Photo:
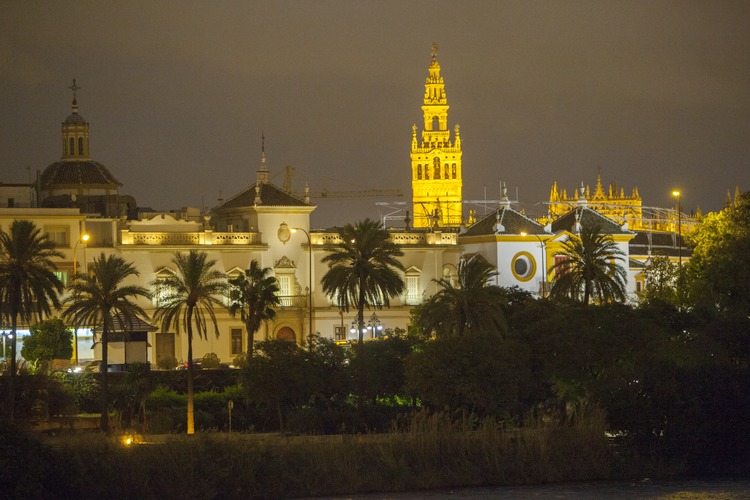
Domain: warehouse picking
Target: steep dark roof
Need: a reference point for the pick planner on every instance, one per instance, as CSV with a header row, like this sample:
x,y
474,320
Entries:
x,y
585,215
78,172
658,243
270,196
513,222
136,325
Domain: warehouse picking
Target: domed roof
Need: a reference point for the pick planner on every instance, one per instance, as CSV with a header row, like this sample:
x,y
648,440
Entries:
x,y
77,172
74,118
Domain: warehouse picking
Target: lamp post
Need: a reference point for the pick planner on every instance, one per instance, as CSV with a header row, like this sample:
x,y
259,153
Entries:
x,y
544,261
309,268
677,194
374,324
84,238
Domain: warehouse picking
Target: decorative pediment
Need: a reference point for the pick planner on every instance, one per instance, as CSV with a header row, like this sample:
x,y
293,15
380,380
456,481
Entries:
x,y
285,263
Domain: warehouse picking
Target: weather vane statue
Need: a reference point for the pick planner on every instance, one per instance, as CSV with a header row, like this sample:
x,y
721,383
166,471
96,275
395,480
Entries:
x,y
434,50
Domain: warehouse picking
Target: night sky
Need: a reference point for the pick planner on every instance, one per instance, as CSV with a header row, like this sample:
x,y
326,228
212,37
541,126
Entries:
x,y
652,94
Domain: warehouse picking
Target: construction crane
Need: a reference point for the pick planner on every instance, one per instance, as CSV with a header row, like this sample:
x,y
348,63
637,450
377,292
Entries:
x,y
362,193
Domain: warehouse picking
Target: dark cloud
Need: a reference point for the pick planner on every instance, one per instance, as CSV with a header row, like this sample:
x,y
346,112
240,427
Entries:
x,y
654,94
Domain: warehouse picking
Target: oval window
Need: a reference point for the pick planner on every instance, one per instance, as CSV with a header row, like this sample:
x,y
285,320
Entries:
x,y
523,266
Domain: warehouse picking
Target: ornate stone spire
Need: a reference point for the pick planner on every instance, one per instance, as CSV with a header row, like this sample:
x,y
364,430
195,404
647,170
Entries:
x,y
263,174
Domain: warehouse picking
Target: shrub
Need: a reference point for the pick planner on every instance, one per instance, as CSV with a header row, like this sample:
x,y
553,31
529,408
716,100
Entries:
x,y
167,363
211,361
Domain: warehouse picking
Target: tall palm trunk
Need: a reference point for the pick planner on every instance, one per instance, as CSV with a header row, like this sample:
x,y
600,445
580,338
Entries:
x,y
104,370
190,409
13,379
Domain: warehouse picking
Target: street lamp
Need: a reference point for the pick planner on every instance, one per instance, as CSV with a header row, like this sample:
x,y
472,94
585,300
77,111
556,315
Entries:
x,y
84,238
544,261
374,324
679,226
309,268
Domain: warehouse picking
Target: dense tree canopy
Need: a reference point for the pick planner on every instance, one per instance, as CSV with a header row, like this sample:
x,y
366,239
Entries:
x,y
472,304
48,340
719,270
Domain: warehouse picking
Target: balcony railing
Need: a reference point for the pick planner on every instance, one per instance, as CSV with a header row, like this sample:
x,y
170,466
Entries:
x,y
433,238
188,238
293,301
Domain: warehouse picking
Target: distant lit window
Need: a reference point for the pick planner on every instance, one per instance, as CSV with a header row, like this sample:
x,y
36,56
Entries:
x,y
161,291
412,290
561,265
62,276
339,333
236,335
58,235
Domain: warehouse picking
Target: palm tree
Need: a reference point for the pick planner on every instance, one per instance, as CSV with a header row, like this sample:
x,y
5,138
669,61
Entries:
x,y
99,298
254,294
187,297
362,269
28,284
590,268
471,305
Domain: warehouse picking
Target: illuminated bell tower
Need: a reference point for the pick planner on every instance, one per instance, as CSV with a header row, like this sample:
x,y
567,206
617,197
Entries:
x,y
436,161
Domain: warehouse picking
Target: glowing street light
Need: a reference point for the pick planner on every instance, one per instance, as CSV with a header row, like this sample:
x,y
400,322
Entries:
x,y
84,238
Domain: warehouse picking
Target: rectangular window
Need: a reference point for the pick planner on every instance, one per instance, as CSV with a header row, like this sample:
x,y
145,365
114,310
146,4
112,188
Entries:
x,y
285,285
412,290
236,335
339,333
58,235
560,266
639,286
62,276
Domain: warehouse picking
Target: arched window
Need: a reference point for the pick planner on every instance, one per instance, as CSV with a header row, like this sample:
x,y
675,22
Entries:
x,y
436,163
71,146
286,333
419,172
454,170
447,171
80,145
435,123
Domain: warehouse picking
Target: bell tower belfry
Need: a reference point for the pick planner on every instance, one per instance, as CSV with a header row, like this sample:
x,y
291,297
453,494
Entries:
x,y
436,160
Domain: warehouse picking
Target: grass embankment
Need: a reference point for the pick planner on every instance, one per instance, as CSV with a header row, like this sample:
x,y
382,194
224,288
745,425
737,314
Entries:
x,y
430,452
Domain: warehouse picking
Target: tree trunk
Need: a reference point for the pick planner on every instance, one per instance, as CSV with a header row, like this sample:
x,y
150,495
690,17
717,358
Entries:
x,y
104,370
13,379
190,409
